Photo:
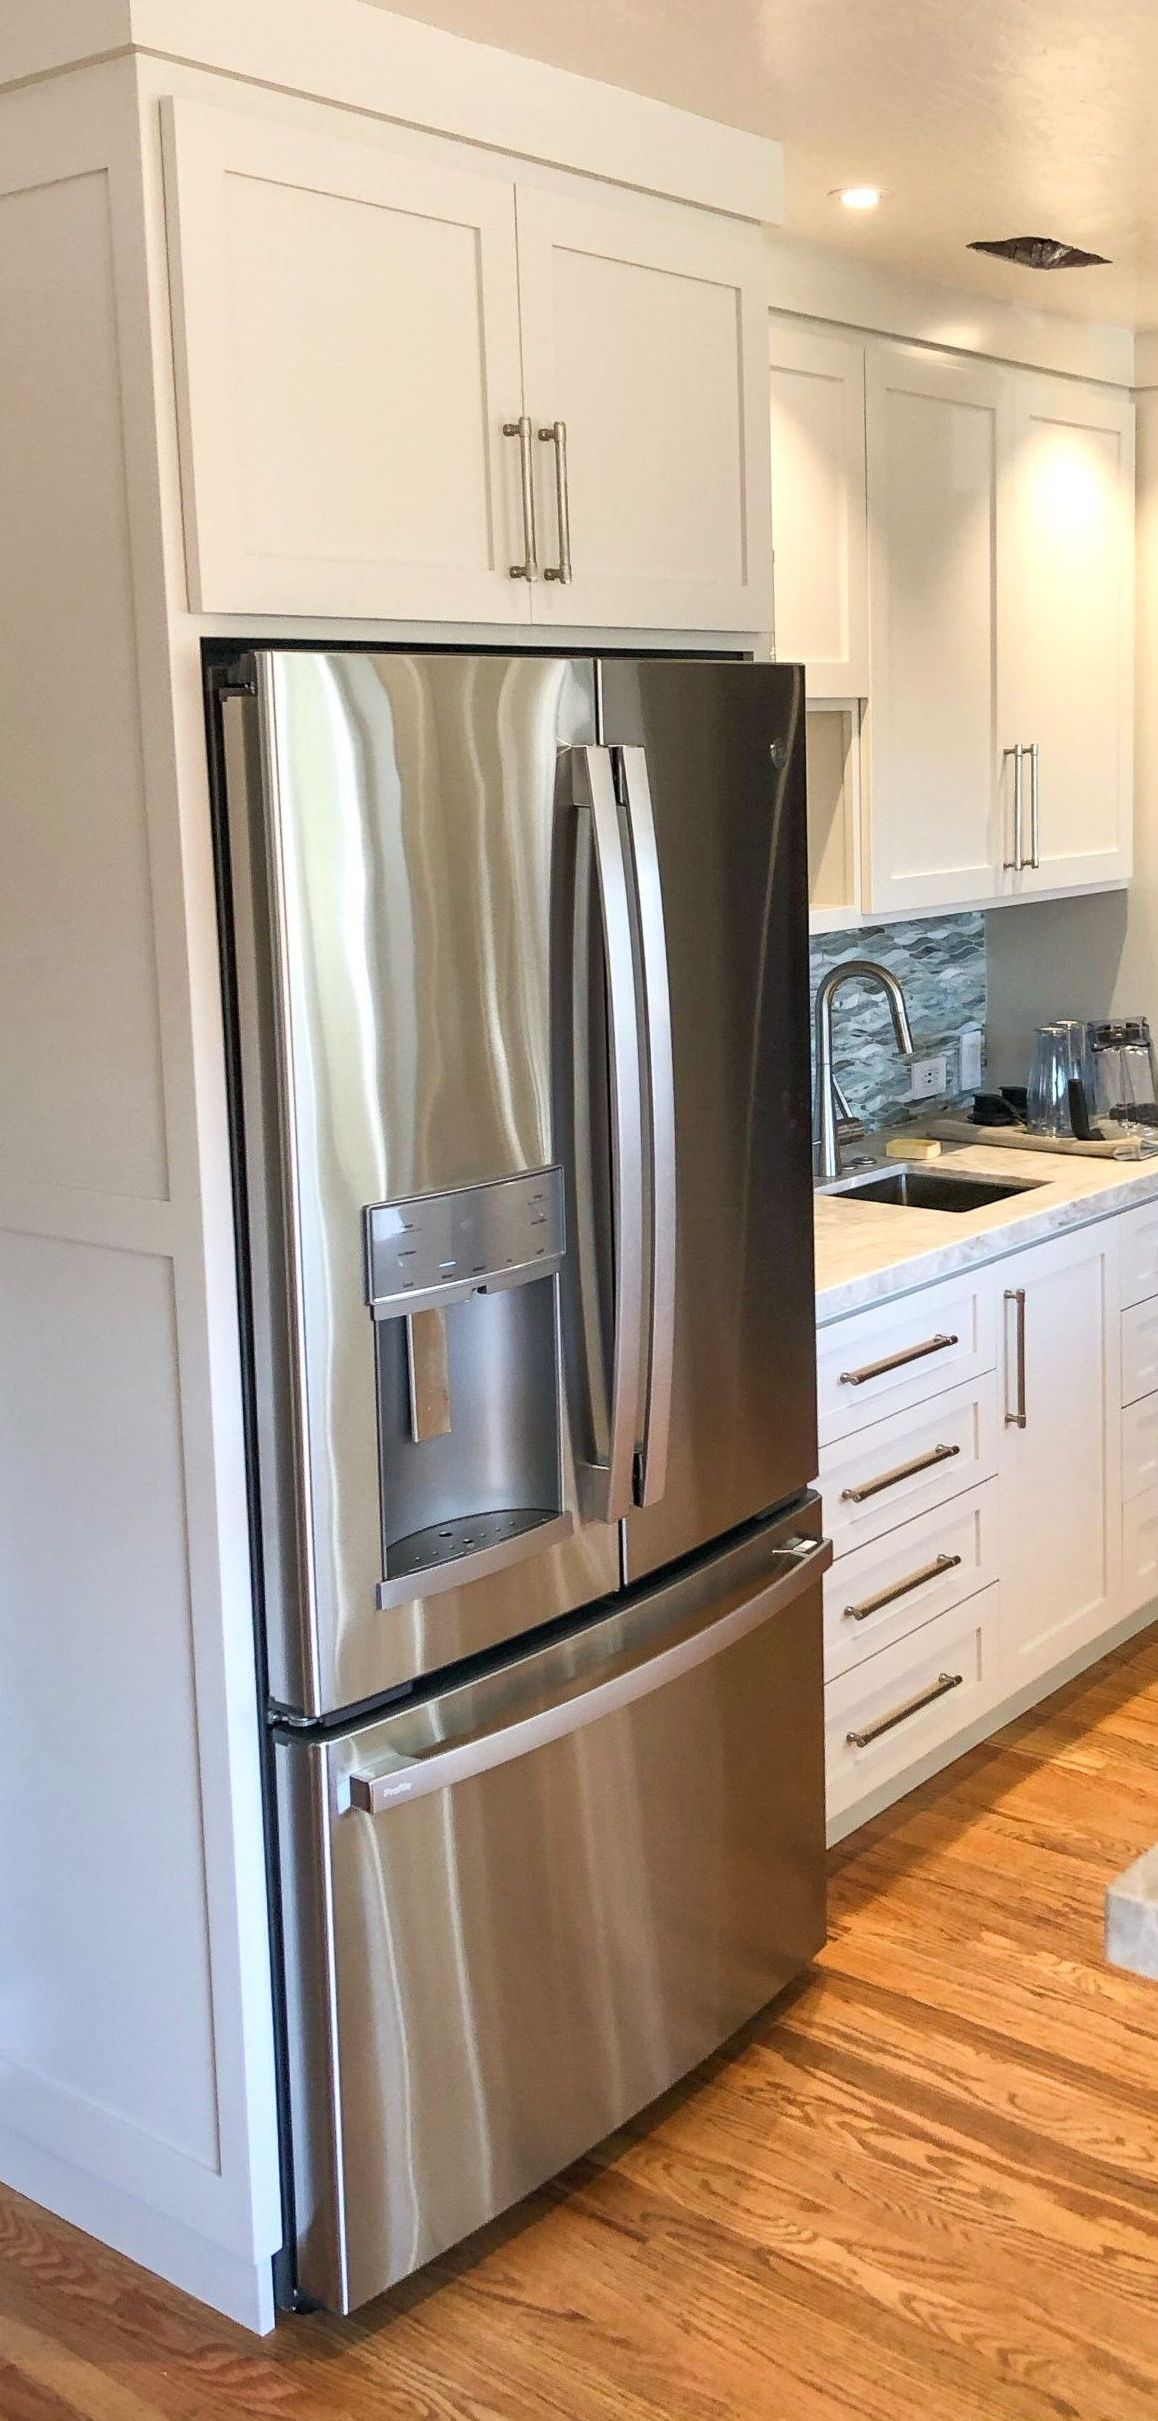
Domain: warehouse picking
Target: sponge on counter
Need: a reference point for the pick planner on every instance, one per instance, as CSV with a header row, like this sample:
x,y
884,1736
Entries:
x,y
916,1147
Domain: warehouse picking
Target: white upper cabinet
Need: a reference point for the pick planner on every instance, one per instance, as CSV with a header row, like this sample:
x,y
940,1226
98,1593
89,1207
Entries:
x,y
1069,645
348,353
359,336
819,506
643,336
938,436
1001,510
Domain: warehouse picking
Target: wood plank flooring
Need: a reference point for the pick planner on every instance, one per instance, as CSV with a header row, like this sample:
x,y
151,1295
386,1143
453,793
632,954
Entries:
x,y
925,2190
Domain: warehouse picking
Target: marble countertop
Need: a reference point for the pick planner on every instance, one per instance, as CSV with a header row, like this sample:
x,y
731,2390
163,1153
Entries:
x,y
867,1251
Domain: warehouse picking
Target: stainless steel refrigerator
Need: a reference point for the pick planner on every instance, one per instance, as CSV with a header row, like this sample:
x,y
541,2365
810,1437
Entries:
x,y
517,1006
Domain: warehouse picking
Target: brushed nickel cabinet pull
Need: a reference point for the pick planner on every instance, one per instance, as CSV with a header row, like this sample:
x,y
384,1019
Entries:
x,y
1017,1418
902,1588
902,1471
940,1688
1013,865
897,1361
1034,754
528,569
556,436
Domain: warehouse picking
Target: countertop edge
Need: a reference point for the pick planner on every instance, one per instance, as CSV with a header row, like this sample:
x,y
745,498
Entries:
x,y
1137,1184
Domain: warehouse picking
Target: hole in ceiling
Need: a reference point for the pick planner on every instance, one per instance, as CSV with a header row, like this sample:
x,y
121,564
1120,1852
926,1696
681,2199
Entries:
x,y
1041,252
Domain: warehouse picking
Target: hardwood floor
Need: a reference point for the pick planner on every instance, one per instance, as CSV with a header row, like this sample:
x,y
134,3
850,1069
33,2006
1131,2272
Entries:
x,y
927,2188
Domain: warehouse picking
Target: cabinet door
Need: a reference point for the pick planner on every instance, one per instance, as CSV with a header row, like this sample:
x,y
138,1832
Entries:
x,y
1070,642
347,338
1061,1483
819,509
645,336
938,433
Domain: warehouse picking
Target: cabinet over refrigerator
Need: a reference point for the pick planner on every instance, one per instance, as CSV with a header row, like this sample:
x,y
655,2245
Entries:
x,y
516,977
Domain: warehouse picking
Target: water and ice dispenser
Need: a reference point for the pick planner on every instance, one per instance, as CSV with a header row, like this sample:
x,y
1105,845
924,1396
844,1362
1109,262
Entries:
x,y
463,1288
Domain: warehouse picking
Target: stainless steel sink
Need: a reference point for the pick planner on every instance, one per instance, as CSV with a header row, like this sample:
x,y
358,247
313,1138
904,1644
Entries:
x,y
917,1186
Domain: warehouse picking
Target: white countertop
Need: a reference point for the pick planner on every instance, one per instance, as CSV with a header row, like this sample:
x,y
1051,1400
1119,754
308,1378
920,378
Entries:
x,y
867,1251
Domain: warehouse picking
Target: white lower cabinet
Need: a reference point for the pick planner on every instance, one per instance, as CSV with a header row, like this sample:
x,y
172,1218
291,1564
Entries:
x,y
1061,1467
989,1535
891,1712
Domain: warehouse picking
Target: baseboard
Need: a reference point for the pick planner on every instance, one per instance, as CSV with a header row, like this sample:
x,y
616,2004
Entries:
x,y
1032,1694
241,2289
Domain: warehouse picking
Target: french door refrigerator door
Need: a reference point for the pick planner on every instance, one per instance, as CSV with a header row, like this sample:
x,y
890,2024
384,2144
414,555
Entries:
x,y
402,843
708,761
520,1911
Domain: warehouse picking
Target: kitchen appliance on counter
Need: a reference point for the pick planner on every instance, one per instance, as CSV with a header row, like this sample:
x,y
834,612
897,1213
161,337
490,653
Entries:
x,y
516,983
1124,1073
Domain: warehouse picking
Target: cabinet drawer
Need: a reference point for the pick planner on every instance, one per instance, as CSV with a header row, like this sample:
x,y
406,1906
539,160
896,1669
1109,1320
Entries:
x,y
910,1462
1140,1447
1138,1233
892,1710
1140,1551
901,1353
882,1592
1139,1351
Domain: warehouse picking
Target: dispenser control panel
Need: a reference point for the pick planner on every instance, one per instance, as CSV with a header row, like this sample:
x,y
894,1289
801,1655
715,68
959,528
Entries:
x,y
435,1249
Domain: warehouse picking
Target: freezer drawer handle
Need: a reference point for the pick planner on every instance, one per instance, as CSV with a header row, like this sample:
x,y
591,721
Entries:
x,y
900,1471
902,1588
897,1361
940,1688
399,1779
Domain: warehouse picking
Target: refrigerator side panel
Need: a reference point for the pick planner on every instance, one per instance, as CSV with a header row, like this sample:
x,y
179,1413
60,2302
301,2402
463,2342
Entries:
x,y
398,836
550,1894
724,750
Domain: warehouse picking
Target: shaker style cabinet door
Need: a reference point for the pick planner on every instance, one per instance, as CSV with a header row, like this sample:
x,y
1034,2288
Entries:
x,y
646,362
1071,638
941,794
1060,1466
347,341
819,507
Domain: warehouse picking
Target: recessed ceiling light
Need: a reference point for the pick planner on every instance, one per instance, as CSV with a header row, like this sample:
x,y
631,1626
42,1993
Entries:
x,y
858,197
1041,252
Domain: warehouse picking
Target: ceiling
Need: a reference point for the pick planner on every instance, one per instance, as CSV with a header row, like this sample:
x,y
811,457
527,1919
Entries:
x,y
977,117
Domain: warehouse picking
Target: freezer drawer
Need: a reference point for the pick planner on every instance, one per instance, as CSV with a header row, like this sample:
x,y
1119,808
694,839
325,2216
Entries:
x,y
527,1906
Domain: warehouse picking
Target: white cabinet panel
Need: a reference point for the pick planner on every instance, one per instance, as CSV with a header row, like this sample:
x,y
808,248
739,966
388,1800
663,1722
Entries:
x,y
819,507
880,1593
1140,1448
1139,1351
938,433
1061,1483
646,338
348,354
1069,506
80,1083
910,1700
106,2013
909,1463
1140,1552
1138,1230
901,1353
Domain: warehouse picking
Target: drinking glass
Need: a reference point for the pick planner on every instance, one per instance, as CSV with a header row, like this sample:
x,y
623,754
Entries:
x,y
1050,1069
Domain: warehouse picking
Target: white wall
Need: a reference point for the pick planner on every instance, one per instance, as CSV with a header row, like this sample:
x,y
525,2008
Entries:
x,y
1091,957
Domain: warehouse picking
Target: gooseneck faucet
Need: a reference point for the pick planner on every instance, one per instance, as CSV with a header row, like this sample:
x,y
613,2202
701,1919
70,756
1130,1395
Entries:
x,y
826,1147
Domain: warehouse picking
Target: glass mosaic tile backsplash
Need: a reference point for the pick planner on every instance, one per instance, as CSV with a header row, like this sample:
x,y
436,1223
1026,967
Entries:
x,y
940,964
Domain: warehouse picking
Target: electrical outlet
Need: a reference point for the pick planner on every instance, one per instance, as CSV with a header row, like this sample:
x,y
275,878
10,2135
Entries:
x,y
971,1058
928,1077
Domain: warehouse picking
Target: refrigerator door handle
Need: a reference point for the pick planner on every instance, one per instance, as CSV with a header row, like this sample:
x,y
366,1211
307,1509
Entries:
x,y
397,1779
636,792
608,1486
